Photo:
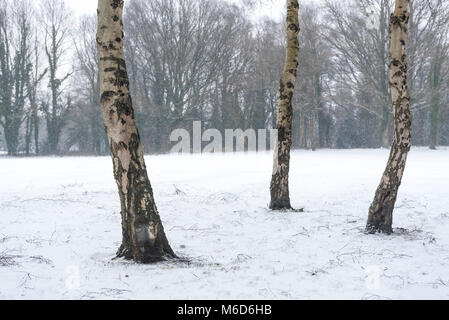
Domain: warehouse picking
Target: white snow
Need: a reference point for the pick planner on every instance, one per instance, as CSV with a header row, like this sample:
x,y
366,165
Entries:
x,y
60,228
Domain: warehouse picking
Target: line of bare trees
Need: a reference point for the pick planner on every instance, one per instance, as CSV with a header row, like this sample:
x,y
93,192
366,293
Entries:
x,y
207,60
34,48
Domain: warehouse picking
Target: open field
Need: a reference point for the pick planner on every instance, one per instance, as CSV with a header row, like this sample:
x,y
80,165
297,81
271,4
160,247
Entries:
x,y
60,228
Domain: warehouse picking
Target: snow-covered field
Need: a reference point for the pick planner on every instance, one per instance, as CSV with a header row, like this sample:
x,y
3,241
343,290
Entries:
x,y
60,228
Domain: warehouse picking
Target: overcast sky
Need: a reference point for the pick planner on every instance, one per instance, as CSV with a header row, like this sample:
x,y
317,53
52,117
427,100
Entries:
x,y
273,8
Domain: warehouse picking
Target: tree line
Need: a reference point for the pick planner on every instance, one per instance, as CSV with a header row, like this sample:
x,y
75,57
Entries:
x,y
209,61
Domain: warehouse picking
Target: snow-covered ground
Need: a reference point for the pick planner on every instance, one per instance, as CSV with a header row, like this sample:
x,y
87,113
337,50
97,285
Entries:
x,y
60,228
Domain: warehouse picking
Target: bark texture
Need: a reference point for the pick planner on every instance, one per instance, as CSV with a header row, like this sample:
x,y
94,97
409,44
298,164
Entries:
x,y
144,238
380,218
280,197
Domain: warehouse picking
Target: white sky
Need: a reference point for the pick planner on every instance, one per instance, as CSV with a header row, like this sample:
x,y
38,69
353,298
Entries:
x,y
273,8
83,6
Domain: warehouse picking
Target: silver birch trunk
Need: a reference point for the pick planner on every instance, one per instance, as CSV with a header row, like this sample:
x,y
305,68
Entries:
x,y
144,238
380,218
280,198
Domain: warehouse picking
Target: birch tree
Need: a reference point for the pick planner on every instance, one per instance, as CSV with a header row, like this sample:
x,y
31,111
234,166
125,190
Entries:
x,y
144,238
280,197
380,218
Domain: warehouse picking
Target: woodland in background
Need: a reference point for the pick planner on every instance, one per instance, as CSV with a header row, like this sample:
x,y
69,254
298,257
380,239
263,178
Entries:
x,y
208,60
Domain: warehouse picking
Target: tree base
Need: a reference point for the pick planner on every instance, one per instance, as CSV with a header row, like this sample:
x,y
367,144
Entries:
x,y
278,206
146,255
373,229
380,216
280,199
380,222
288,207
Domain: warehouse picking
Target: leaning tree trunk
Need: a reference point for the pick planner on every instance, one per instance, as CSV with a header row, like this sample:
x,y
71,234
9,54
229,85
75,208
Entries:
x,y
380,217
144,239
280,198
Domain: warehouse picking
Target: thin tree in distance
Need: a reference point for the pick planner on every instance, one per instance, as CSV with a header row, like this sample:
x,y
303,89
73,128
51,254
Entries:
x,y
380,218
144,238
55,16
279,187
